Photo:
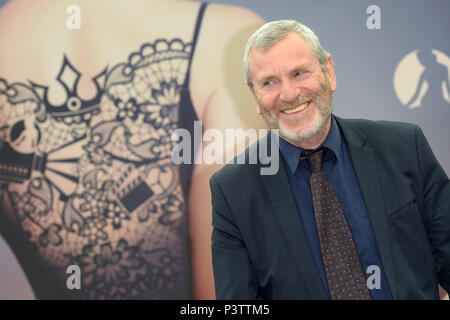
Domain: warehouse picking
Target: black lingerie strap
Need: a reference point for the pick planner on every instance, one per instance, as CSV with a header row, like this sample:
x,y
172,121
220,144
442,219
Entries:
x,y
195,37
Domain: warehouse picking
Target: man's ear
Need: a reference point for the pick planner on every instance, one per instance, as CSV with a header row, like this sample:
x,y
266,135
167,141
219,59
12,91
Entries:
x,y
252,91
330,73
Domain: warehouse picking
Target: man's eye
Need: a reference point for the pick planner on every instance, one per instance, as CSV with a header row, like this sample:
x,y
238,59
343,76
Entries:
x,y
298,73
268,83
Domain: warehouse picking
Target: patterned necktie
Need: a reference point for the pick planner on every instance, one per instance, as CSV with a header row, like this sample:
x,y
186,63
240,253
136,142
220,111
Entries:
x,y
341,261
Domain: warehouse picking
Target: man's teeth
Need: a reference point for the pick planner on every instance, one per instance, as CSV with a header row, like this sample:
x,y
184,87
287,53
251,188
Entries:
x,y
300,107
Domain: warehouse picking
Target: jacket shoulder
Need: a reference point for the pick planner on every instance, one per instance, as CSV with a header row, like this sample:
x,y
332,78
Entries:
x,y
382,131
367,125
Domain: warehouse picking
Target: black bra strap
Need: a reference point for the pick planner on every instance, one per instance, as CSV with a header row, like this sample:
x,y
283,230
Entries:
x,y
196,32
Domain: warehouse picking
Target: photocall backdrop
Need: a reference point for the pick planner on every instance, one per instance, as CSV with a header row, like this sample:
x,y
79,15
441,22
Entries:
x,y
392,62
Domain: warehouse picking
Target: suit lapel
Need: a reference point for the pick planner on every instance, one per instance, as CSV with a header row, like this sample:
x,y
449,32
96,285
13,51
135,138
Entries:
x,y
364,163
283,201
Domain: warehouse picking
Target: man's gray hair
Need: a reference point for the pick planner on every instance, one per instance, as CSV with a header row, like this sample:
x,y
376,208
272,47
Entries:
x,y
275,31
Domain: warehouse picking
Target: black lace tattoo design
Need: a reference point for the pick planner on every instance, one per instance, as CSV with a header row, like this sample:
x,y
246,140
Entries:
x,y
91,181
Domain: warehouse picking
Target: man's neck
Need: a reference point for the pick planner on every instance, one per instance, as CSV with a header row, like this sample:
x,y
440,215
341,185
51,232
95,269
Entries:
x,y
315,141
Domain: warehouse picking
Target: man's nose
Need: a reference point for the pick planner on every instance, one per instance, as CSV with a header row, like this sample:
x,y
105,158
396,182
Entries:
x,y
289,92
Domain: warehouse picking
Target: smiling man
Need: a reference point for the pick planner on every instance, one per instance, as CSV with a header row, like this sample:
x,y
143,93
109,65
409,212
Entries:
x,y
359,209
292,91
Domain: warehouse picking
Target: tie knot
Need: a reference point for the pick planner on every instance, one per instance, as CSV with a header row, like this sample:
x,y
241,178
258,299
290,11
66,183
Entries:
x,y
314,160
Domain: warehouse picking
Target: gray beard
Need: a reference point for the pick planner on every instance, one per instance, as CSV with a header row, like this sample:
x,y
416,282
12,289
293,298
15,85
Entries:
x,y
292,137
300,139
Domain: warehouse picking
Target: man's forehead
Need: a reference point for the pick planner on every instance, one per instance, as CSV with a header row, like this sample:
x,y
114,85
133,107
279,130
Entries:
x,y
288,52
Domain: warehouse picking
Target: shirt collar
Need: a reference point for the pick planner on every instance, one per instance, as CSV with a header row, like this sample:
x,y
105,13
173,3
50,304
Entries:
x,y
332,142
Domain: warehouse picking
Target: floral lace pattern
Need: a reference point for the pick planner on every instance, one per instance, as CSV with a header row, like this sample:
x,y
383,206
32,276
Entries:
x,y
91,182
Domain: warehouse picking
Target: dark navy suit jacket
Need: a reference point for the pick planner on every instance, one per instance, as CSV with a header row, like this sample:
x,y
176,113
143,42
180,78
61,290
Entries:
x,y
259,245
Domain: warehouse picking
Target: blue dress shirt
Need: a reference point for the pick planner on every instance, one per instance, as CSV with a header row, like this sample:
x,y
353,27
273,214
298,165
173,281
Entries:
x,y
338,169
